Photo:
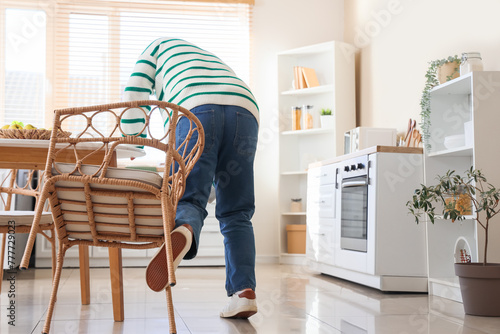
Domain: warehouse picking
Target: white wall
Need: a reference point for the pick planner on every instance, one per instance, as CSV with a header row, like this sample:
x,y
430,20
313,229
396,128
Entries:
x,y
397,39
279,25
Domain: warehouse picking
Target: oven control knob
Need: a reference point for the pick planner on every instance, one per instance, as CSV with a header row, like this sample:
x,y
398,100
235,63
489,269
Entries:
x,y
353,167
346,168
361,166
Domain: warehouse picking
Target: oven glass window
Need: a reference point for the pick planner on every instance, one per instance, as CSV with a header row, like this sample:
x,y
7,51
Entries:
x,y
354,209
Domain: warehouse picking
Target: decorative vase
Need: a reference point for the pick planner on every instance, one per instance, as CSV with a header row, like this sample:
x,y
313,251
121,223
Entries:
x,y
480,287
327,121
449,69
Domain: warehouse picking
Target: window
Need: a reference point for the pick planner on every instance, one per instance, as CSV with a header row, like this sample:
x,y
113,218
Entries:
x,y
23,73
91,47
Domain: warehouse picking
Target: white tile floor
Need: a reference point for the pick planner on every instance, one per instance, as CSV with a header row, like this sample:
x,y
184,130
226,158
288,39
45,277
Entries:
x,y
290,299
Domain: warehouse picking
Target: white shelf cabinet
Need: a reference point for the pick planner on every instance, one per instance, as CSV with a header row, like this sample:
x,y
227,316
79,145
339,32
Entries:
x,y
473,97
333,63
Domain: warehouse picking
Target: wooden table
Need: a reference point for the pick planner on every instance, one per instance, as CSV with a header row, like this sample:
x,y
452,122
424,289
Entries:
x,y
32,154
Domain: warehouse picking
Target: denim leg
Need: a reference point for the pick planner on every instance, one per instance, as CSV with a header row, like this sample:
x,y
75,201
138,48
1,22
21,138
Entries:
x,y
234,184
230,145
191,208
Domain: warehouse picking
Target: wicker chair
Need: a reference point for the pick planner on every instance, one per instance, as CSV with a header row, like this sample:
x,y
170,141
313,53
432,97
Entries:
x,y
13,222
116,207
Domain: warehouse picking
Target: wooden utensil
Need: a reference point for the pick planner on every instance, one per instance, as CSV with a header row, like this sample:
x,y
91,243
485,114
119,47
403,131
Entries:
x,y
416,138
419,140
413,139
413,124
408,132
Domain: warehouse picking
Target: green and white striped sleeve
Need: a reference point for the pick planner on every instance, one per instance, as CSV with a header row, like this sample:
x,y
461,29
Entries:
x,y
140,86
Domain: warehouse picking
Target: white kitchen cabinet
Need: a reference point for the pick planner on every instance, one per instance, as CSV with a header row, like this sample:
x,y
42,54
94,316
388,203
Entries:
x,y
395,257
475,98
210,251
322,196
333,63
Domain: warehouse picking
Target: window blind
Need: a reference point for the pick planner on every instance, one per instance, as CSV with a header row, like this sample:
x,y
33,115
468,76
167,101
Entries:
x,y
22,65
92,45
96,47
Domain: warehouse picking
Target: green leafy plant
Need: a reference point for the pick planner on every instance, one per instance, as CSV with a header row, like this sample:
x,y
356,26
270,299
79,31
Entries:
x,y
483,196
425,101
326,112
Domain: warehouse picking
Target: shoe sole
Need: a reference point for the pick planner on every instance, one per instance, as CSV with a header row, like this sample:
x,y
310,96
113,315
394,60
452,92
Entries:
x,y
243,314
157,270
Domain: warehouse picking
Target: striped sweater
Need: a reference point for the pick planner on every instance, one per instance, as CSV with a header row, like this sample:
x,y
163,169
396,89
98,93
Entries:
x,y
184,74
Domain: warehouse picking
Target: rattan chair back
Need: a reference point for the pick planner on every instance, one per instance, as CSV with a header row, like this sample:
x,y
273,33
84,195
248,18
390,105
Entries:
x,y
96,204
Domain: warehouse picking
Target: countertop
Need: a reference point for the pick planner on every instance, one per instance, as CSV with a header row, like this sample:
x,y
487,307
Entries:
x,y
370,150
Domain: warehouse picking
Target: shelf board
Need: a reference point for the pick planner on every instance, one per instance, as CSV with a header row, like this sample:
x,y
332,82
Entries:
x,y
458,86
300,172
309,91
302,213
311,49
454,152
307,132
466,217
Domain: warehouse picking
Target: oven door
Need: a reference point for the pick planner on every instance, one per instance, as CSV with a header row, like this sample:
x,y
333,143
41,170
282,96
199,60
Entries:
x,y
353,219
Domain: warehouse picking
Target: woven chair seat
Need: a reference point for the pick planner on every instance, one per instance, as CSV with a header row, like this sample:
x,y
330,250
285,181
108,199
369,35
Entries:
x,y
144,176
111,213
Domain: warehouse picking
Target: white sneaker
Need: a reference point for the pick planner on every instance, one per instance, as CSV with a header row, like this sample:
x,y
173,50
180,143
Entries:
x,y
242,304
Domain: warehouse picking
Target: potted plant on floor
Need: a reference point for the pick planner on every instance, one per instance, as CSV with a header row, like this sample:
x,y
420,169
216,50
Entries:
x,y
327,119
456,194
439,71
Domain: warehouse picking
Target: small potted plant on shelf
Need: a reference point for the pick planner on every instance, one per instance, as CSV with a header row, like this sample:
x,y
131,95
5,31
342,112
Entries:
x,y
439,71
327,119
466,197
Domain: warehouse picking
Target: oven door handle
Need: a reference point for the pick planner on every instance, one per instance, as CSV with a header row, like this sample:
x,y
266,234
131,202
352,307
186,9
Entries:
x,y
354,183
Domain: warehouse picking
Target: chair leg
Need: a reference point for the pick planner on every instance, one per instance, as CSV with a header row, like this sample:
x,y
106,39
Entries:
x,y
35,228
171,314
52,241
83,256
116,271
2,255
55,287
170,257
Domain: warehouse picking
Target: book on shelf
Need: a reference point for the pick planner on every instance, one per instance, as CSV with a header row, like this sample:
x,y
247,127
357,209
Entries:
x,y
304,77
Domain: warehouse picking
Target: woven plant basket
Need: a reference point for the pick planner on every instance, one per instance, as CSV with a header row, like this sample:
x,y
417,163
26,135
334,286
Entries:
x,y
447,70
30,134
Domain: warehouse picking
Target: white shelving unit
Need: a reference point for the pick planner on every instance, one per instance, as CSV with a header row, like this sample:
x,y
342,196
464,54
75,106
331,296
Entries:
x,y
473,97
333,63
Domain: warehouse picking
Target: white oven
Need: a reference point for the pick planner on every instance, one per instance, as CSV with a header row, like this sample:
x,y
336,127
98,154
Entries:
x,y
354,204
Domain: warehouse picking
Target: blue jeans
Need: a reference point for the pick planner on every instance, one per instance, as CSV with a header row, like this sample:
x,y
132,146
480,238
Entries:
x,y
227,162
